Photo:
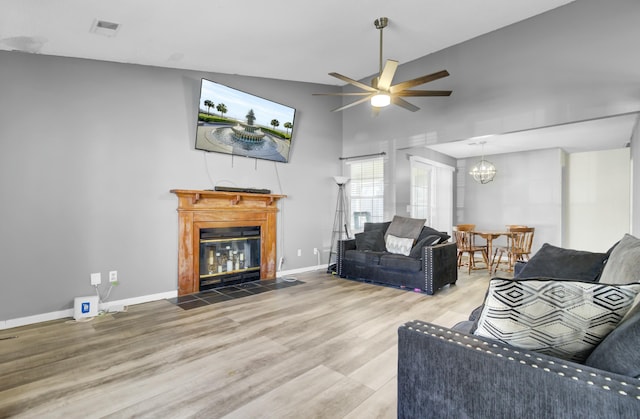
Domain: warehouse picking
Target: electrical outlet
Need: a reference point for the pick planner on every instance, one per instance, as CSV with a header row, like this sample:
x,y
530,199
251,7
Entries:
x,y
315,250
96,279
113,277
299,252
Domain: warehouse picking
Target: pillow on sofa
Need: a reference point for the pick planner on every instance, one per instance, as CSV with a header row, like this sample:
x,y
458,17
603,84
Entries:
x,y
416,250
619,352
561,318
406,228
623,266
428,231
370,240
398,245
557,262
377,226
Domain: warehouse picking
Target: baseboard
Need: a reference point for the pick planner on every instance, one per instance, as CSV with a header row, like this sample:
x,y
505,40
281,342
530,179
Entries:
x,y
289,272
107,306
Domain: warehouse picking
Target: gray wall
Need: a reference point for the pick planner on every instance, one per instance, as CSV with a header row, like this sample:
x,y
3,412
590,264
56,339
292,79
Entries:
x,y
88,153
527,190
573,63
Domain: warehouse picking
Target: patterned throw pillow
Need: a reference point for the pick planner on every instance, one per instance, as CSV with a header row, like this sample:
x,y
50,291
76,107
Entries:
x,y
399,245
561,318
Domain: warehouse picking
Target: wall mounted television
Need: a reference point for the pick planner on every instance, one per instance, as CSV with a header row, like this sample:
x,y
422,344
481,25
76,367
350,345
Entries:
x,y
234,122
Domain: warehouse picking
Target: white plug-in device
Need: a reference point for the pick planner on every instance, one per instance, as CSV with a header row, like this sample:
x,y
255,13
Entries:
x,y
85,307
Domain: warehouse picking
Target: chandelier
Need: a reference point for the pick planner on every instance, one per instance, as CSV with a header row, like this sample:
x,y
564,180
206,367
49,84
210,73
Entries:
x,y
484,171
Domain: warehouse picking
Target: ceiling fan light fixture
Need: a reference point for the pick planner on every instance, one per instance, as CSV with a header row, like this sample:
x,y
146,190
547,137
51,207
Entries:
x,y
380,100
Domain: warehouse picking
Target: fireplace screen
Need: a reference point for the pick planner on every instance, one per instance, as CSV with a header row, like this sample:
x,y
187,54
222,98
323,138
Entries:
x,y
229,256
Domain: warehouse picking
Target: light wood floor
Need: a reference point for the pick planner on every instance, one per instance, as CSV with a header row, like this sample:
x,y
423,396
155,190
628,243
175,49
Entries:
x,y
323,349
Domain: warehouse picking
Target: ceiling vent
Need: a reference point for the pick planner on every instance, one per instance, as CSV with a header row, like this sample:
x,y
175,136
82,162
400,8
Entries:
x,y
104,28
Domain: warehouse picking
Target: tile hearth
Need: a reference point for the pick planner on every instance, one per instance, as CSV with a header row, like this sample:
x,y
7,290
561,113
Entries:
x,y
217,295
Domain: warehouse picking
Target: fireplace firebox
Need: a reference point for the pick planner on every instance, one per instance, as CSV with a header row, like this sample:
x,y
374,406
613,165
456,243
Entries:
x,y
229,256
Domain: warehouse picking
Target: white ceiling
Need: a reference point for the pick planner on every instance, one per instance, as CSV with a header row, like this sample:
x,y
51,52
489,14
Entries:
x,y
282,39
597,134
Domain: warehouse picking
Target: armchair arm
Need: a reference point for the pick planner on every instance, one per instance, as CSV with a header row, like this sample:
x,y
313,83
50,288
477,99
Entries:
x,y
440,266
445,373
343,246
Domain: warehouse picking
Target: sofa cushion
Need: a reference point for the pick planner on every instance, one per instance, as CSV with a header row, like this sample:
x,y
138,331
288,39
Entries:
x,y
619,351
416,250
561,318
429,231
400,262
398,245
556,262
408,228
623,266
377,226
363,257
370,240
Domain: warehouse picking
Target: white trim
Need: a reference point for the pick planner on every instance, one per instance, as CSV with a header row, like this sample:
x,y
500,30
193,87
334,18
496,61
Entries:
x,y
300,270
56,315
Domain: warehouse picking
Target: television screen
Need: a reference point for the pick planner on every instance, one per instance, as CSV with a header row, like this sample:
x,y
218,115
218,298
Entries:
x,y
235,122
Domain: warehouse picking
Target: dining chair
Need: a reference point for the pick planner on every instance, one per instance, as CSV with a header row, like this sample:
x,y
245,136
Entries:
x,y
518,247
465,243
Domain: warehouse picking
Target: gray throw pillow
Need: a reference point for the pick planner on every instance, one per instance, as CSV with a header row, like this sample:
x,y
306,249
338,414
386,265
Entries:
x,y
429,231
371,241
618,352
407,228
557,262
383,226
623,266
416,250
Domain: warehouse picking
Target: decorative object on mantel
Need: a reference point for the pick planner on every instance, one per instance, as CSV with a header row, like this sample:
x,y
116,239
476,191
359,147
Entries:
x,y
339,222
381,93
484,171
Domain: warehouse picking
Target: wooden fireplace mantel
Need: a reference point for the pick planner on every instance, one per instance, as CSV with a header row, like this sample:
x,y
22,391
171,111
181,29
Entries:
x,y
199,209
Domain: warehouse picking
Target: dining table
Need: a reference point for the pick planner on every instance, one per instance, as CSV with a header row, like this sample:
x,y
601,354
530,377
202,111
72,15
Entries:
x,y
490,236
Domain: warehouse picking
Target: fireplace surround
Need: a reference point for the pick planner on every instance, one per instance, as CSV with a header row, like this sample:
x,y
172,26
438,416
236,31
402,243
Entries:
x,y
200,211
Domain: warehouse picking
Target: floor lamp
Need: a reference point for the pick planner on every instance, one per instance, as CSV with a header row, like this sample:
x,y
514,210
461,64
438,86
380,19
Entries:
x,y
339,223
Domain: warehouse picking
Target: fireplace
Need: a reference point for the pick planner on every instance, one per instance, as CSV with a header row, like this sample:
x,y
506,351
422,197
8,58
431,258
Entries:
x,y
228,256
247,225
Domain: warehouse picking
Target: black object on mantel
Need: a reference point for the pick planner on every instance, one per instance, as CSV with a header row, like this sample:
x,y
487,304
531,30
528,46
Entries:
x,y
244,190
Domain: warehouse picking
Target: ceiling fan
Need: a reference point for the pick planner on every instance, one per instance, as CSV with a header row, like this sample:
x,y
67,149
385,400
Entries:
x,y
381,93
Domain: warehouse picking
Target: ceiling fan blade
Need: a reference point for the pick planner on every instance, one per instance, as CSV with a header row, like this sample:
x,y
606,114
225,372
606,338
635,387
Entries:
x,y
420,80
353,82
424,93
404,104
342,94
357,102
386,77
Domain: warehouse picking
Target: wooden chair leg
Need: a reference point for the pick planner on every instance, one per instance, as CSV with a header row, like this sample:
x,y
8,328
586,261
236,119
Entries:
x,y
485,256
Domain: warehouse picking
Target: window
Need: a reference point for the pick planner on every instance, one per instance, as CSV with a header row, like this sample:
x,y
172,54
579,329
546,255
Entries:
x,y
431,194
421,188
366,192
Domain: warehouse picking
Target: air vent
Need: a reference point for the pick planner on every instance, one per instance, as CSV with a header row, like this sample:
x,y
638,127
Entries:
x,y
105,28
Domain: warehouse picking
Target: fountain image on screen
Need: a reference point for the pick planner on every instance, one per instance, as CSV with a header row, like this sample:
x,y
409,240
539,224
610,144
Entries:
x,y
234,122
